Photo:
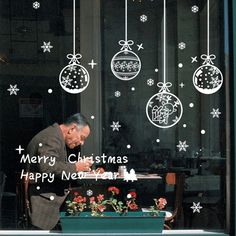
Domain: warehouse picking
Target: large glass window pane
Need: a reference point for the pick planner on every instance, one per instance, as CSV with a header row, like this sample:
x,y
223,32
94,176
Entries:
x,y
194,149
156,101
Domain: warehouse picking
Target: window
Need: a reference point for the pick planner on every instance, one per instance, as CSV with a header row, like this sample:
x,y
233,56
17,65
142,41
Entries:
x,y
159,101
197,145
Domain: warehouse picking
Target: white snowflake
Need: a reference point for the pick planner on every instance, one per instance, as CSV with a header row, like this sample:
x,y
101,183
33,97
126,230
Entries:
x,y
182,146
36,5
13,89
143,18
115,126
194,9
150,82
181,85
117,94
182,45
72,68
117,65
215,82
89,192
46,46
129,66
215,113
196,207
66,80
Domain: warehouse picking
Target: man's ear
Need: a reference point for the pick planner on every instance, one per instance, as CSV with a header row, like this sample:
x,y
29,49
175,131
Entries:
x,y
71,128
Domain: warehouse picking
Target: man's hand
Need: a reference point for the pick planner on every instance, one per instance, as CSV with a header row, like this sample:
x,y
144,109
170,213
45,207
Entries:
x,y
84,165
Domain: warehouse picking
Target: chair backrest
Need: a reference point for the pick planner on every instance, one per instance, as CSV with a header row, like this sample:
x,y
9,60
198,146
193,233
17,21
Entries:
x,y
171,178
2,183
176,179
23,202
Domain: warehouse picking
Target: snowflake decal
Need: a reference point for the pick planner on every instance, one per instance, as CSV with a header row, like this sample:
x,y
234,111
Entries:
x,y
181,85
66,80
182,146
36,5
115,126
13,89
163,98
126,66
215,81
215,113
182,45
196,207
150,82
194,9
117,94
46,46
143,18
89,192
72,68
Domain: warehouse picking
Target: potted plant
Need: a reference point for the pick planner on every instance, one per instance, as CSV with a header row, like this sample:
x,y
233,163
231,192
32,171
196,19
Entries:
x,y
89,215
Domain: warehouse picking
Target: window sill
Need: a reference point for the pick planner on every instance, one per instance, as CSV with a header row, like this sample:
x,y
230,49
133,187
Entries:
x,y
165,232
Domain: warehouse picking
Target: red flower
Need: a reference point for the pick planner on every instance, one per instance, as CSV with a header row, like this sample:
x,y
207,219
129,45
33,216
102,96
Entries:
x,y
100,197
114,190
101,208
132,206
161,203
92,199
79,199
133,194
76,193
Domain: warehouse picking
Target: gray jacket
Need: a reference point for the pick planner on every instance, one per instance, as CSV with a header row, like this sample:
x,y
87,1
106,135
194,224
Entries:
x,y
46,198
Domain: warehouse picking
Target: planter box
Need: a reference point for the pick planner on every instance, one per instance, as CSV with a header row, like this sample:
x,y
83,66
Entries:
x,y
133,222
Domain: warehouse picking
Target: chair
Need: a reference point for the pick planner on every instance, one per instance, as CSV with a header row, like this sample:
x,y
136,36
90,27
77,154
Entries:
x,y
23,203
2,185
176,179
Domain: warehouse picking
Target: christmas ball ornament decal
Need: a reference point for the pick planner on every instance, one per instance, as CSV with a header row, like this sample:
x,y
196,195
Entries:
x,y
164,109
207,79
74,78
125,65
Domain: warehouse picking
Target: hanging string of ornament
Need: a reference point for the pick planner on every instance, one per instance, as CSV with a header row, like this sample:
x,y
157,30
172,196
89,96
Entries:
x,y
164,109
125,64
74,78
208,79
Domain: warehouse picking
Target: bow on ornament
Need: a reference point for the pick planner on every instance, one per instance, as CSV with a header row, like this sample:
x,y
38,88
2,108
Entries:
x,y
208,59
74,58
126,44
164,86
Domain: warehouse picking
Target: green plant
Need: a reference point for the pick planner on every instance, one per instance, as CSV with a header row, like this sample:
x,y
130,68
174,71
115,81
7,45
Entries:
x,y
159,205
98,204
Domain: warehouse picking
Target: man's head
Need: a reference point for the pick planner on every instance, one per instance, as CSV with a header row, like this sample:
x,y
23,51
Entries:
x,y
75,130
